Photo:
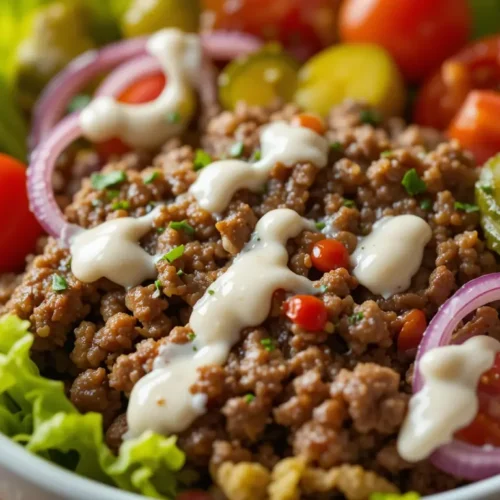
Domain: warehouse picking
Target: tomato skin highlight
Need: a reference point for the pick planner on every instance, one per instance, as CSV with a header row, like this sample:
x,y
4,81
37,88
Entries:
x,y
20,229
327,255
412,331
419,34
142,91
306,311
475,67
477,126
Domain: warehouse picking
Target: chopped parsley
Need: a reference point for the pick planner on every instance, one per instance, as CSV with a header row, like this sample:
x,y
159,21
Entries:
x,y
370,117
173,117
466,207
354,318
385,154
121,205
210,292
160,230
256,155
79,102
236,149
337,146
486,188
59,283
111,194
174,254
201,159
104,181
158,290
426,205
180,272
320,225
191,336
182,226
249,398
151,177
349,203
268,344
413,183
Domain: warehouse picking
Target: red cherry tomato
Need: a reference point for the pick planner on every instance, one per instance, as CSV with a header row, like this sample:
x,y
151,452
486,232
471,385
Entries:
x,y
144,90
307,312
477,124
193,495
311,121
477,66
327,255
20,229
419,34
302,27
412,331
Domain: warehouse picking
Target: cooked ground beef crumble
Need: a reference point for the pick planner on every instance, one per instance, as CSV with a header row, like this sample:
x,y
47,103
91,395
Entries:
x,y
336,399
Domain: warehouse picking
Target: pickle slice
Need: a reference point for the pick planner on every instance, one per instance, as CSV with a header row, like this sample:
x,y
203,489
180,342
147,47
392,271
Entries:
x,y
359,71
259,79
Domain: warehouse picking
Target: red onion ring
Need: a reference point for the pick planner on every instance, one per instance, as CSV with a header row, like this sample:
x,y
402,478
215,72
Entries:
x,y
39,179
459,458
54,101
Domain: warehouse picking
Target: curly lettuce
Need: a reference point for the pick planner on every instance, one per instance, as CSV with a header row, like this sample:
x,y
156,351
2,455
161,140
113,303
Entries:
x,y
35,412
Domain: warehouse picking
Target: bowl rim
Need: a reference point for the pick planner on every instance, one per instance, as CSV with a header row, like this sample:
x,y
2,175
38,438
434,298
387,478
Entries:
x,y
54,479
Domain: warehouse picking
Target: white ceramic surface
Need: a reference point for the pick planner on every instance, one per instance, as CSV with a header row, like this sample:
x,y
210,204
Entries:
x,y
24,476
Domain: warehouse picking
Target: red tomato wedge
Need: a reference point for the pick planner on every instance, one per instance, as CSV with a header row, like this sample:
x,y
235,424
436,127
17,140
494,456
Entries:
x,y
477,124
419,34
20,229
144,90
477,66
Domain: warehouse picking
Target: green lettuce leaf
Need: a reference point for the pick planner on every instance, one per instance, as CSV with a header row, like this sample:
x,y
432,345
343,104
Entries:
x,y
35,411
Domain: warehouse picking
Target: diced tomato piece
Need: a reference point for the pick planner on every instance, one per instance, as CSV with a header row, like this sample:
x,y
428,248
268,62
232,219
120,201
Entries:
x,y
477,124
311,121
327,255
412,331
482,430
307,312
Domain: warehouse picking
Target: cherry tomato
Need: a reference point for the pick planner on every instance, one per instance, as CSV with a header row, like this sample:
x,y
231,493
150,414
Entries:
x,y
302,27
309,120
482,430
412,331
141,91
327,255
193,495
477,124
419,34
477,66
307,312
20,229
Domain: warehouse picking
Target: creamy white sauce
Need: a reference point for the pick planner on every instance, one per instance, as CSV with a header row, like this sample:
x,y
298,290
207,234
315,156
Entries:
x,y
149,125
280,143
448,400
111,250
386,260
161,401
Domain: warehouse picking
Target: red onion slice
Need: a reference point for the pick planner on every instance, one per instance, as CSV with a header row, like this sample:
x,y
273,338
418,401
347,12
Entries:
x,y
459,458
39,179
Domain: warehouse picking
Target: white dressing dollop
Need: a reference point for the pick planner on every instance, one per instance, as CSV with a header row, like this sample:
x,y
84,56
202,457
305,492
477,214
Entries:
x,y
161,401
149,125
280,143
112,250
386,260
448,399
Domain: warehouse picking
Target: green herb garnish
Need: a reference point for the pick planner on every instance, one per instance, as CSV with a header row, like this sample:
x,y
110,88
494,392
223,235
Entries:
x,y
79,102
201,159
191,336
151,177
426,205
320,225
413,183
182,226
466,207
160,230
349,203
210,292
487,188
59,283
385,154
180,272
111,194
174,254
354,318
337,146
173,117
268,344
103,181
370,117
249,398
236,149
121,205
256,155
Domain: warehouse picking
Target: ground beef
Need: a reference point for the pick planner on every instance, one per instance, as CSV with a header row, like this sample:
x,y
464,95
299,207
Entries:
x,y
334,399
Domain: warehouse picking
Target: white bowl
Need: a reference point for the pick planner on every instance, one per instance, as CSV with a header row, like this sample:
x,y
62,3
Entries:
x,y
24,476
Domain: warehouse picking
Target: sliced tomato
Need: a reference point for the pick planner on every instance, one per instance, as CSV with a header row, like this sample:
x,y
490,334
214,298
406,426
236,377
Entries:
x,y
477,124
19,229
412,331
144,90
477,66
419,34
